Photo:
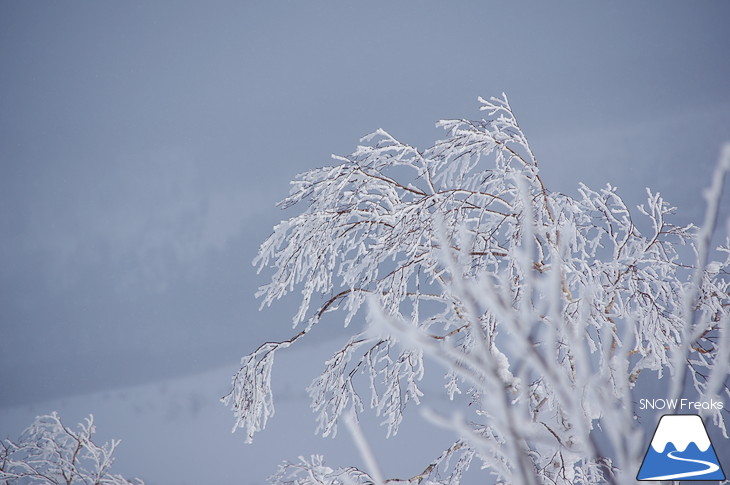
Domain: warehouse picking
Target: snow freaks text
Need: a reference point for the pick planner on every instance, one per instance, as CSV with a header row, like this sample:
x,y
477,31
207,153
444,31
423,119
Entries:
x,y
680,405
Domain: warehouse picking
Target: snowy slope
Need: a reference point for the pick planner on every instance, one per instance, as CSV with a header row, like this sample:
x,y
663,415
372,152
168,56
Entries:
x,y
176,431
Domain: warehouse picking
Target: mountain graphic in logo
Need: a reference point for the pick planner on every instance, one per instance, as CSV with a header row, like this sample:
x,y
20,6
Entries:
x,y
680,449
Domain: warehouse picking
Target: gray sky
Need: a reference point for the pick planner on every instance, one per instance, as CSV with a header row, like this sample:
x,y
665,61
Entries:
x,y
143,145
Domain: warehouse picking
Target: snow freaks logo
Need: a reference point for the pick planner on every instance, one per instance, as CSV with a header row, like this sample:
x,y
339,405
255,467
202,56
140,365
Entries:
x,y
680,449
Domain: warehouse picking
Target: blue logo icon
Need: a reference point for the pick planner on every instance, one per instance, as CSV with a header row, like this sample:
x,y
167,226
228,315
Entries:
x,y
680,450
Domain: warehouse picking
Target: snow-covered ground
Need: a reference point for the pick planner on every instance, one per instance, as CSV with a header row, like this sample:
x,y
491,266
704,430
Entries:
x,y
177,432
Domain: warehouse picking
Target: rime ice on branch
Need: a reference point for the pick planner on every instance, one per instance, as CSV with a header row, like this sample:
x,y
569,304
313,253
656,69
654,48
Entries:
x,y
49,452
542,309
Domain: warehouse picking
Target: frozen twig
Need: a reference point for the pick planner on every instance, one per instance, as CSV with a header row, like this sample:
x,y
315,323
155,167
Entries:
x,y
541,309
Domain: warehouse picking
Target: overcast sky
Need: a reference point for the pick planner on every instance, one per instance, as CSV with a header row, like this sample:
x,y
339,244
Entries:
x,y
143,146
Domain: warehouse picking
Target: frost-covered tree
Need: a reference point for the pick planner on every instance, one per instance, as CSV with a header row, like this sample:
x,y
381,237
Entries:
x,y
49,452
541,309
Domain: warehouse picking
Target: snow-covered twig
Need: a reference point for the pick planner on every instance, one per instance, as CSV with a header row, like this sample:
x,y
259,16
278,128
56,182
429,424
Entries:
x,y
49,452
544,309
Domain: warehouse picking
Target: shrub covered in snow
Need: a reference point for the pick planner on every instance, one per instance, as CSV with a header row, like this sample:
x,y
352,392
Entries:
x,y
542,309
49,452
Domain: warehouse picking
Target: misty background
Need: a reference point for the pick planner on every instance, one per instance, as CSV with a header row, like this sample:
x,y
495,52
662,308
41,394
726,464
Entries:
x,y
143,146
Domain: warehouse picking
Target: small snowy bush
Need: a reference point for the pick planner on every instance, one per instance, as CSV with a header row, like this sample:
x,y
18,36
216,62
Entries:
x,y
542,309
49,452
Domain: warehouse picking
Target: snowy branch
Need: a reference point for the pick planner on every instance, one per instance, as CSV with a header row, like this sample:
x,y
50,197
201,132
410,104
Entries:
x,y
49,452
545,309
